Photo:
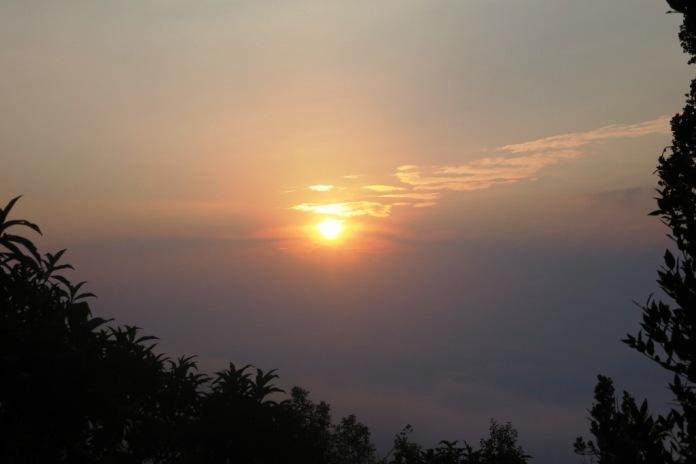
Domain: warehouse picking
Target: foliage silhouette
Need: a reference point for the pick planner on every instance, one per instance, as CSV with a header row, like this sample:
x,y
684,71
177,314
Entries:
x,y
500,447
76,389
624,433
668,329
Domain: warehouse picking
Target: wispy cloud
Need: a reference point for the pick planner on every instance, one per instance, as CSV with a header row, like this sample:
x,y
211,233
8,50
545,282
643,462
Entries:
x,y
521,161
383,188
322,187
421,186
412,196
576,140
479,174
346,209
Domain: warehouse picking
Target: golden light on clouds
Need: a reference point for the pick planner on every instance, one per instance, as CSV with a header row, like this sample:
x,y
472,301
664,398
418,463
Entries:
x,y
346,209
322,187
383,188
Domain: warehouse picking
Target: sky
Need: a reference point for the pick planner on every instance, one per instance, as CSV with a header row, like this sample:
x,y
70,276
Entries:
x,y
482,172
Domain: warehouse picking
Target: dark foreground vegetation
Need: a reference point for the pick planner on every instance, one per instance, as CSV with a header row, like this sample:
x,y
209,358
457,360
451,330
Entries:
x,y
626,432
75,388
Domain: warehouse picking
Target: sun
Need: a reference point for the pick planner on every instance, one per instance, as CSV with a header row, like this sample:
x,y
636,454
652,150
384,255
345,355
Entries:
x,y
330,229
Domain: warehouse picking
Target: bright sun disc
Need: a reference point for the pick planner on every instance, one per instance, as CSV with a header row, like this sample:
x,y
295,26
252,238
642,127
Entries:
x,y
330,229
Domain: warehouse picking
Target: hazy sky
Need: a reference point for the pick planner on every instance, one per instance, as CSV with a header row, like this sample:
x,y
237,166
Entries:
x,y
490,163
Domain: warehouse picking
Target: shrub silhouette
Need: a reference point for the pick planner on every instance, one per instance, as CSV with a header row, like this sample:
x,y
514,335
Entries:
x,y
500,447
76,389
625,432
628,434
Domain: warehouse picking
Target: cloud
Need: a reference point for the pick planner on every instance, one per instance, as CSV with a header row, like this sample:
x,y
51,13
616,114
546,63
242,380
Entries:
x,y
412,196
579,139
383,188
346,209
321,187
481,173
530,158
421,186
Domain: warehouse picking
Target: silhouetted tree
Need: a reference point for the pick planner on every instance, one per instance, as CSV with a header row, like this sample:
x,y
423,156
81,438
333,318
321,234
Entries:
x,y
351,443
624,433
668,328
501,447
404,450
